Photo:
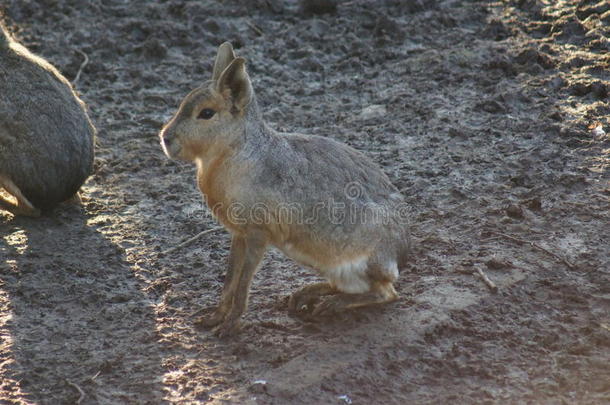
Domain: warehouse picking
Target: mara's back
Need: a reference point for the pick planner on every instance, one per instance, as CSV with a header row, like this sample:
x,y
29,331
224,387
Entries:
x,y
322,188
313,169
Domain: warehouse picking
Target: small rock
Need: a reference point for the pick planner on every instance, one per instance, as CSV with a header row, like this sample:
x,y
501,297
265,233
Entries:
x,y
514,211
585,10
532,6
258,386
521,180
534,204
456,133
317,6
599,89
498,264
319,27
600,44
577,62
598,131
299,53
572,180
311,64
556,116
540,27
496,30
491,106
532,56
580,89
276,6
503,63
569,28
416,6
242,350
345,399
211,25
387,26
557,83
373,111
154,49
120,298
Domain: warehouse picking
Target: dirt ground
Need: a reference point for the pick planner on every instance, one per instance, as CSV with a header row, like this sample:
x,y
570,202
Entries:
x,y
491,117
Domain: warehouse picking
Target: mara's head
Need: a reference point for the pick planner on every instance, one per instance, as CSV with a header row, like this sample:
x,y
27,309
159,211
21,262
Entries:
x,y
212,115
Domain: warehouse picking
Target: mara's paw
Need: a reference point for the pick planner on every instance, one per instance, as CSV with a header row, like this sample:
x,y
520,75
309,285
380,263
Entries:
x,y
227,328
332,305
301,303
213,318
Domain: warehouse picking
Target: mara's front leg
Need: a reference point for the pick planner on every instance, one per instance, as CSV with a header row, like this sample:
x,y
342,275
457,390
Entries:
x,y
234,267
255,246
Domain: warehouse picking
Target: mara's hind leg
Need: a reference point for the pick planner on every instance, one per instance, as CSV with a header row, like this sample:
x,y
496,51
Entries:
x,y
305,299
23,206
381,292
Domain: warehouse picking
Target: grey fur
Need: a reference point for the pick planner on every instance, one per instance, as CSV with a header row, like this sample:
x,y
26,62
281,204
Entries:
x,y
46,136
310,170
321,202
224,58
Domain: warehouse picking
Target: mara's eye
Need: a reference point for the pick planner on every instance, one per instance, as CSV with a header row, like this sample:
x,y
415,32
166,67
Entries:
x,y
206,114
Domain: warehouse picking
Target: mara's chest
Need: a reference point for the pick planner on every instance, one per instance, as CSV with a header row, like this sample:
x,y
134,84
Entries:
x,y
215,183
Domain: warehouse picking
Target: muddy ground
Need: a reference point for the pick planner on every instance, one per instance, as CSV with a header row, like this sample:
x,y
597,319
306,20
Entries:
x,y
493,120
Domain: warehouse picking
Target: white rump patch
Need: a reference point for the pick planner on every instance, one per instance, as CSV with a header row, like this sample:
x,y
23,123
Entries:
x,y
350,276
393,270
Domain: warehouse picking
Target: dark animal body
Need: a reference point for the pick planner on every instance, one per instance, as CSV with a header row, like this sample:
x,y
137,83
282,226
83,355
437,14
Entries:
x,y
46,136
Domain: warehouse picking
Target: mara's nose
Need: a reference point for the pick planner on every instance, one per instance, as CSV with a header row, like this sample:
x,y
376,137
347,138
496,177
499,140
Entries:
x,y
166,135
167,138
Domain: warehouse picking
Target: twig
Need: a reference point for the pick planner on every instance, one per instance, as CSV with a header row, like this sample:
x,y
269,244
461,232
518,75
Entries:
x,y
255,28
194,238
80,391
96,375
486,280
82,66
537,246
516,152
275,326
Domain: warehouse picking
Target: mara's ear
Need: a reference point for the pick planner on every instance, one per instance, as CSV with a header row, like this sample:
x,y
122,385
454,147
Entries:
x,y
235,79
224,56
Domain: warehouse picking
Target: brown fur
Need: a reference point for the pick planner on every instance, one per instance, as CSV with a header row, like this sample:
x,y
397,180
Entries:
x,y
269,188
